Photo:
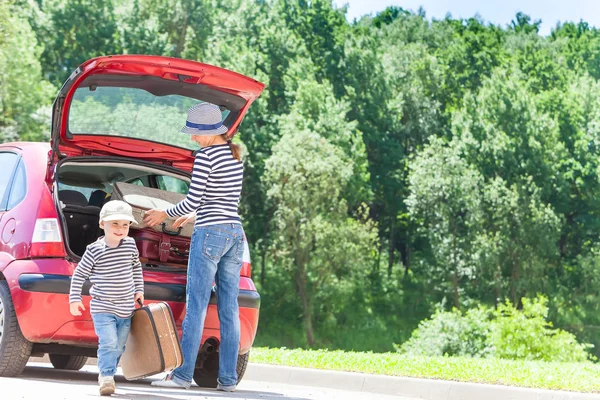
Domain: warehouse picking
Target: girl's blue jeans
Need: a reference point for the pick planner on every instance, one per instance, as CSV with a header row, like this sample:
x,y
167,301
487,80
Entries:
x,y
215,256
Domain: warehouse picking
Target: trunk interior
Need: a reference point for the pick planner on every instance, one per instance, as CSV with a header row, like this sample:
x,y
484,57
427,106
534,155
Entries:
x,y
85,183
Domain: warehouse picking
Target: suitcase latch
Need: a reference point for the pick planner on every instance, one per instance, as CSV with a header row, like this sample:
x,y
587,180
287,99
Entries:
x,y
180,253
165,249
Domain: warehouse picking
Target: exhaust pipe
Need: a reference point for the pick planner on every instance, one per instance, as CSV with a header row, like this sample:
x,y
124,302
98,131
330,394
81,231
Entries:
x,y
208,347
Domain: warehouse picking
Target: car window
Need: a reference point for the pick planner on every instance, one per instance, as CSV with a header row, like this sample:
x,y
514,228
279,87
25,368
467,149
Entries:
x,y
18,189
7,165
137,181
171,184
86,191
133,112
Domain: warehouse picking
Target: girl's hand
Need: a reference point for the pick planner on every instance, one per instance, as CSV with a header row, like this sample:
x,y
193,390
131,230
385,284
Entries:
x,y
75,306
181,221
154,217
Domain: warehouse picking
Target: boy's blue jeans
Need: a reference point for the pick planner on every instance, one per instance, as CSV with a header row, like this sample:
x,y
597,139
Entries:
x,y
215,255
112,332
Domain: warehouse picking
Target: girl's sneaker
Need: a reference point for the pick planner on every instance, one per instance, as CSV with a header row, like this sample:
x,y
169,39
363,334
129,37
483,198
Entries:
x,y
107,385
169,383
226,388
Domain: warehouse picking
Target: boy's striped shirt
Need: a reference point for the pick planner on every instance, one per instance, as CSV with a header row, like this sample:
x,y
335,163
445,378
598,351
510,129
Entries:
x,y
214,193
115,274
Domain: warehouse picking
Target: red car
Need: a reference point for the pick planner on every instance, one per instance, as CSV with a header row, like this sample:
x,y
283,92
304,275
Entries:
x,y
116,119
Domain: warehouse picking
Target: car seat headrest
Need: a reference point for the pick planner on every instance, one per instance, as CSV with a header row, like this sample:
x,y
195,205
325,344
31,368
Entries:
x,y
97,198
72,197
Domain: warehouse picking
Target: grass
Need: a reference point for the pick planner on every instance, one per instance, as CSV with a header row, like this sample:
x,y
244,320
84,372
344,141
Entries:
x,y
580,377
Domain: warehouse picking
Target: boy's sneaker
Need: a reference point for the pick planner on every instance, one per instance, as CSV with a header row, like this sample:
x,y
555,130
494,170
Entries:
x,y
107,385
226,388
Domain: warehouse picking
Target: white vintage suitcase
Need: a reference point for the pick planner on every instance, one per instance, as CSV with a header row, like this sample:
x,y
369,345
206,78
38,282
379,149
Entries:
x,y
142,199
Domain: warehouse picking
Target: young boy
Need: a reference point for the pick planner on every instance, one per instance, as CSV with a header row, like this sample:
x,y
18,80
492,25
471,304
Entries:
x,y
113,267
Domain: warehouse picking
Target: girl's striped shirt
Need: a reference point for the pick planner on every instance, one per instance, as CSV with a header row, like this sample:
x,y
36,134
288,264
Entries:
x,y
215,189
115,274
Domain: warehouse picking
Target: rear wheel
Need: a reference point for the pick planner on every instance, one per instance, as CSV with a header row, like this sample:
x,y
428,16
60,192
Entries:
x,y
70,363
206,375
241,365
14,348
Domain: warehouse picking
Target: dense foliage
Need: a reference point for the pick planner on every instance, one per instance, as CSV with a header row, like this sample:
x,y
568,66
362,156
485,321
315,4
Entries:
x,y
394,165
505,333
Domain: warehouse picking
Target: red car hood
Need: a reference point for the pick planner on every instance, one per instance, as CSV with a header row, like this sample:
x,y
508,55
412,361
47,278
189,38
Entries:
x,y
162,75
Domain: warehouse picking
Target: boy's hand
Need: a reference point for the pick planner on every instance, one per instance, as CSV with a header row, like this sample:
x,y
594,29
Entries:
x,y
139,296
75,306
181,221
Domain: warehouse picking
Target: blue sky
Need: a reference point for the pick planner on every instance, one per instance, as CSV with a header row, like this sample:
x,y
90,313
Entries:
x,y
496,11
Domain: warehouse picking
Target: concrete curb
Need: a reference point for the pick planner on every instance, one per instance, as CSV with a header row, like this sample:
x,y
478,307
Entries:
x,y
426,389
429,389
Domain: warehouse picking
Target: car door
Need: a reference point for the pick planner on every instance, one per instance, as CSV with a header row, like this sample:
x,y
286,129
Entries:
x,y
134,106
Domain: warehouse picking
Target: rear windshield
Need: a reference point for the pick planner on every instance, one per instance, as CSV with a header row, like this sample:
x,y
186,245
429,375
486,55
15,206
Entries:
x,y
131,112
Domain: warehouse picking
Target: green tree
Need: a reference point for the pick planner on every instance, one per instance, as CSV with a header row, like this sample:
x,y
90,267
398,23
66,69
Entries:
x,y
316,242
139,28
516,148
579,45
75,31
446,200
576,109
388,16
518,246
394,82
538,59
323,29
316,109
471,56
522,23
176,28
24,97
573,302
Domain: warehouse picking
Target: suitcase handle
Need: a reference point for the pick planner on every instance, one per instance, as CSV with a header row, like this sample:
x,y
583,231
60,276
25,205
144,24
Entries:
x,y
140,303
171,233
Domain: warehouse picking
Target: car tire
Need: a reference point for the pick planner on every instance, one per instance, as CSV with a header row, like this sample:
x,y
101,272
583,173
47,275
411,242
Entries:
x,y
207,375
14,348
241,365
66,362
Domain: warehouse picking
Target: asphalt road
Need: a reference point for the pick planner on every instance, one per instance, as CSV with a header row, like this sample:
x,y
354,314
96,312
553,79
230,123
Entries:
x,y
41,381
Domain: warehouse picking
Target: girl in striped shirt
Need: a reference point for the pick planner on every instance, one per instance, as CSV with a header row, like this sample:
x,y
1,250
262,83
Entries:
x,y
217,244
113,267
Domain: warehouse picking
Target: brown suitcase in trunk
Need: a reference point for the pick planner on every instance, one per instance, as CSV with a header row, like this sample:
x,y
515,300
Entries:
x,y
153,343
142,199
160,246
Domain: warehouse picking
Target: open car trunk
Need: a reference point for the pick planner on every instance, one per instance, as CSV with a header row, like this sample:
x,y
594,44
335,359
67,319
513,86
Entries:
x,y
84,184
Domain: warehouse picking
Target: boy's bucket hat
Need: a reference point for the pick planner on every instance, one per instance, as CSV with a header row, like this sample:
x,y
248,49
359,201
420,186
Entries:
x,y
116,210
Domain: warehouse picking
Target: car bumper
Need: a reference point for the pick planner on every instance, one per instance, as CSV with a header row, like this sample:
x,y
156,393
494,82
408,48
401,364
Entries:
x,y
40,293
169,292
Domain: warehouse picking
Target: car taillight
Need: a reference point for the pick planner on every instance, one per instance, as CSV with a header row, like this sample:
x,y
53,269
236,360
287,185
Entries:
x,y
246,265
47,240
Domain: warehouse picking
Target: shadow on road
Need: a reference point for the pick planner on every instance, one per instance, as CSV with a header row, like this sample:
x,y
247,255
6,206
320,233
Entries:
x,y
141,389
